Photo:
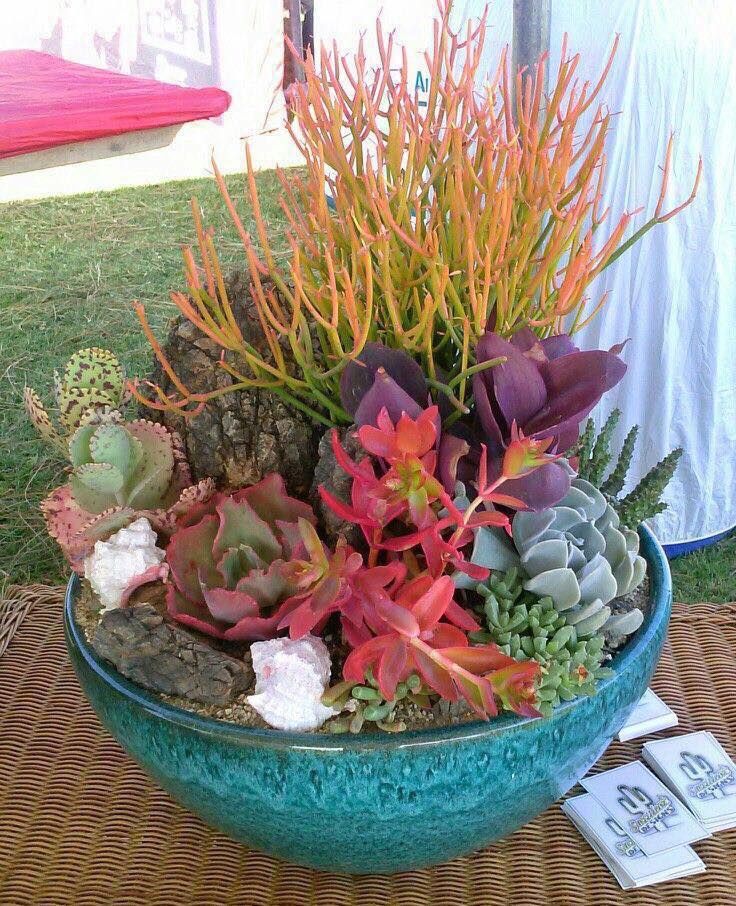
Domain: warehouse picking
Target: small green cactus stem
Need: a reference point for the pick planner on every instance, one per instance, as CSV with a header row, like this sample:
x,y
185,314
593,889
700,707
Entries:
x,y
614,484
585,446
530,628
594,457
91,381
645,500
366,704
593,467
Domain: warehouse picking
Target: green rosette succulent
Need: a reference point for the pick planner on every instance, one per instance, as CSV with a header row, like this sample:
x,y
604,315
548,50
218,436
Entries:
x,y
576,553
527,627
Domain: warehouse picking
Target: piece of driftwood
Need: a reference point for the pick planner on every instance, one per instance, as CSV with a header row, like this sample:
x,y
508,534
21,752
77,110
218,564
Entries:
x,y
166,658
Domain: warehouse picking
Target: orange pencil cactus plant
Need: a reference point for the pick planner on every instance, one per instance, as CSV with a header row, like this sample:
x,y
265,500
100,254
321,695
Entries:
x,y
470,210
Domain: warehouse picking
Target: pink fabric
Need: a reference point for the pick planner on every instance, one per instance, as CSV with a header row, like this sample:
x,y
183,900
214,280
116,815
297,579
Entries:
x,y
46,101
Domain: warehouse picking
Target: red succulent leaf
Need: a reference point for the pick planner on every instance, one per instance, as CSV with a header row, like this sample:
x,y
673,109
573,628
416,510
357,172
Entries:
x,y
229,606
524,454
435,675
392,666
189,555
514,503
431,606
445,635
358,661
479,573
478,658
240,524
323,580
409,437
65,522
461,617
477,692
491,517
515,687
269,499
253,629
362,471
451,450
268,586
342,509
193,614
398,618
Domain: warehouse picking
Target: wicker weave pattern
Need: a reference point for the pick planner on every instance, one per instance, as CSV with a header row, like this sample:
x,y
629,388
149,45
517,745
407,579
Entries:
x,y
82,825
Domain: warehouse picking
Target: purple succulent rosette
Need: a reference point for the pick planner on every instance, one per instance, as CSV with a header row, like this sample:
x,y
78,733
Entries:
x,y
547,387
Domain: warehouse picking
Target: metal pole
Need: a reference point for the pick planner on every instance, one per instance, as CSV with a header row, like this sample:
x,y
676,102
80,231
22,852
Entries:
x,y
531,34
293,70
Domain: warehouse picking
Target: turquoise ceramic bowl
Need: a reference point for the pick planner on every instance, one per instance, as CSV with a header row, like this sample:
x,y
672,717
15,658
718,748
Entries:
x,y
373,803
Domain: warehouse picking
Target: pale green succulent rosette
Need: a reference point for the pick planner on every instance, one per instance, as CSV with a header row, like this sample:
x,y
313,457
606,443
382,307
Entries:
x,y
576,553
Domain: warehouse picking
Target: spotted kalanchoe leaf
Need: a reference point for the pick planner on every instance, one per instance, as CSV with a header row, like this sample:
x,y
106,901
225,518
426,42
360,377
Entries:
x,y
92,378
92,382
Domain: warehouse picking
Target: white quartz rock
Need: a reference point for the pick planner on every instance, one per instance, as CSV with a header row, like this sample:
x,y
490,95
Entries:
x,y
115,563
291,677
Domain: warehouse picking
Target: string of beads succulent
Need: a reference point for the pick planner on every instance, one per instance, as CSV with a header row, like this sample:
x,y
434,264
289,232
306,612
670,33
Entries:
x,y
527,627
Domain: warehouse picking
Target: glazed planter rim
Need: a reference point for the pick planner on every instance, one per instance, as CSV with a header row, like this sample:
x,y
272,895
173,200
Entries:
x,y
659,579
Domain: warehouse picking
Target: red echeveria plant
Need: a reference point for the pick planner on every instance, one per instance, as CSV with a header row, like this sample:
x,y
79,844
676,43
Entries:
x,y
242,564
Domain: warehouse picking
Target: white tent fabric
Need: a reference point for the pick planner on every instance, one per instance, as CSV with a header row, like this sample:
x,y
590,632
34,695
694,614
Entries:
x,y
674,294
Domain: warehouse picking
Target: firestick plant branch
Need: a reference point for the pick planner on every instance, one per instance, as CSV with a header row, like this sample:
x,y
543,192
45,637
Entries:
x,y
476,210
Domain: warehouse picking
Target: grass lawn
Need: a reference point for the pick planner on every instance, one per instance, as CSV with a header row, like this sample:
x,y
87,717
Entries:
x,y
69,269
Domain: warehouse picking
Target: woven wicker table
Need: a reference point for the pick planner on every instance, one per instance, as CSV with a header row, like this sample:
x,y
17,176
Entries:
x,y
82,824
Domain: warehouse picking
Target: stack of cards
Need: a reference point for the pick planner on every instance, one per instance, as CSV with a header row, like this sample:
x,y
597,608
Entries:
x,y
630,815
698,770
649,716
626,861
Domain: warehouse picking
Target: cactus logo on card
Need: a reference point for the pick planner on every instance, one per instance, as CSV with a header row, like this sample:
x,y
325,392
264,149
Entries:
x,y
625,845
651,816
710,781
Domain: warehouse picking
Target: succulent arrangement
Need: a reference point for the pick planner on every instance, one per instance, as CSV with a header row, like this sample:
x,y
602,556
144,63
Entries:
x,y
465,547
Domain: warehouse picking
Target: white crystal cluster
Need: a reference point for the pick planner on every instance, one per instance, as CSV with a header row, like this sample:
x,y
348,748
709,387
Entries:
x,y
291,677
114,564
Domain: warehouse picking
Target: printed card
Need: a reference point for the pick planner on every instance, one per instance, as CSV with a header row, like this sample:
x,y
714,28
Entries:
x,y
645,808
628,862
649,716
697,768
